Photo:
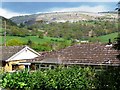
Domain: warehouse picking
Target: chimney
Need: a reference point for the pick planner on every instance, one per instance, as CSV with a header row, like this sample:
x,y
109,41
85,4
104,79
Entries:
x,y
109,43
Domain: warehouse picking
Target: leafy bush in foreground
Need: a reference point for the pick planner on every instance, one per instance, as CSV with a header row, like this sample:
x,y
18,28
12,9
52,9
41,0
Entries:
x,y
16,80
61,78
58,79
108,79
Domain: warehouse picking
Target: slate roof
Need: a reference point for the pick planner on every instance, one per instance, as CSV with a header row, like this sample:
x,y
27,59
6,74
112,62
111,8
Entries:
x,y
8,51
88,54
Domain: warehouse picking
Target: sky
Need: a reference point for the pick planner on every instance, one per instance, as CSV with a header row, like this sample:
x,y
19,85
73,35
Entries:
x,y
9,9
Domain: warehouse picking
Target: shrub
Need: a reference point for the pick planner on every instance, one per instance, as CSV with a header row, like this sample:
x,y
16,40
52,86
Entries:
x,y
57,79
17,80
108,79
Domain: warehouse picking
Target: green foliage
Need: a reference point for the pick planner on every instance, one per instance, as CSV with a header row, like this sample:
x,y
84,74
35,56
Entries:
x,y
17,80
16,31
29,42
64,78
117,45
40,35
72,78
77,30
42,47
108,79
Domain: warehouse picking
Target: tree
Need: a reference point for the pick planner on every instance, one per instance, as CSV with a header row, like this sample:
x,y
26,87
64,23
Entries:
x,y
117,44
21,25
40,35
29,42
118,8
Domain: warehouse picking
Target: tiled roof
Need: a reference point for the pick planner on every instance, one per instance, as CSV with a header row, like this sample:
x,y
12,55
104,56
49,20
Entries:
x,y
8,51
81,54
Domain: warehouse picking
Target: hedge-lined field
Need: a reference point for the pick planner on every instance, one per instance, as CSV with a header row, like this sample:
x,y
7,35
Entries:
x,y
105,38
35,39
38,44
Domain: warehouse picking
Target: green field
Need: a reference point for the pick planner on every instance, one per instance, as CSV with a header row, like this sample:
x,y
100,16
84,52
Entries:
x,y
35,39
105,38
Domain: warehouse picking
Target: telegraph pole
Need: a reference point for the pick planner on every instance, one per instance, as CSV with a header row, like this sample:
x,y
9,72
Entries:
x,y
5,34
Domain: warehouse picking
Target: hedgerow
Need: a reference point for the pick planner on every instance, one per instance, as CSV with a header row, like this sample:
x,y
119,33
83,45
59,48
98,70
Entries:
x,y
57,79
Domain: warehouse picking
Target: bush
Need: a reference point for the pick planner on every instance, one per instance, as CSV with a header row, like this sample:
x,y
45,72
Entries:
x,y
17,80
108,79
62,78
57,79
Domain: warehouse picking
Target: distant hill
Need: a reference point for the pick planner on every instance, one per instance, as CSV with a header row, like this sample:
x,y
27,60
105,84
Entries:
x,y
27,19
11,28
64,17
87,25
9,23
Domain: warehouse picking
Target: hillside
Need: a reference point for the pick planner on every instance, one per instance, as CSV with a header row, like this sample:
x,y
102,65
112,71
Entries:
x,y
74,16
68,30
28,19
9,22
63,17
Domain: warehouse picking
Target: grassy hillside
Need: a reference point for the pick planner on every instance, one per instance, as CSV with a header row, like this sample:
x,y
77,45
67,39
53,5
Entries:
x,y
105,38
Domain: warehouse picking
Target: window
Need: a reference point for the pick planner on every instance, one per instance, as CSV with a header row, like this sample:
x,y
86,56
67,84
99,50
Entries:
x,y
42,65
14,67
36,66
52,67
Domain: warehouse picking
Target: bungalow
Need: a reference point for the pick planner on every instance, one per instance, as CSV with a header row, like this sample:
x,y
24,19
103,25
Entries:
x,y
14,57
86,54
95,55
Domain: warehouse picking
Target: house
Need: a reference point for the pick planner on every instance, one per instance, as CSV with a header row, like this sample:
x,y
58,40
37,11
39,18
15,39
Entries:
x,y
15,57
85,54
95,55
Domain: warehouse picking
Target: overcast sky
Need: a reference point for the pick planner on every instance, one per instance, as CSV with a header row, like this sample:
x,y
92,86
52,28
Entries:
x,y
10,8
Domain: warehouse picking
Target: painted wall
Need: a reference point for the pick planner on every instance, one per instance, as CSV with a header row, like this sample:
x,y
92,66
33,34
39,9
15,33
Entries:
x,y
8,65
